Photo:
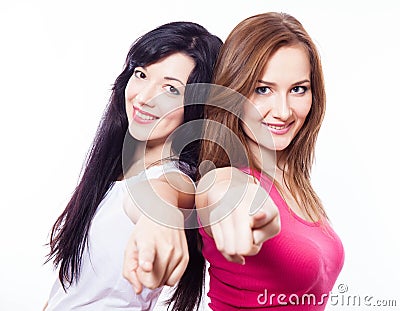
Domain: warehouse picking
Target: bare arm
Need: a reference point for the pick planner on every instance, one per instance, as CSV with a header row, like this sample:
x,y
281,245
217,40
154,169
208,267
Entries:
x,y
157,252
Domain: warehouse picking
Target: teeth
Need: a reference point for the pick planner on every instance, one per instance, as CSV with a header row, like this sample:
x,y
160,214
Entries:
x,y
277,127
144,116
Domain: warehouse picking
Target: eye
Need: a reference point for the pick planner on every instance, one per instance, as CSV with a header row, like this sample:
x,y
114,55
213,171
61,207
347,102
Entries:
x,y
299,90
262,90
172,90
139,74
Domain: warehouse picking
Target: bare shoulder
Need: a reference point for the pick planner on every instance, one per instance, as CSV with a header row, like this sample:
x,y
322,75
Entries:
x,y
177,188
170,189
177,181
221,175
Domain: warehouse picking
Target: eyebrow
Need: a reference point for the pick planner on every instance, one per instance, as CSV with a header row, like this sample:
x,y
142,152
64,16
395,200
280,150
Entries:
x,y
174,79
296,83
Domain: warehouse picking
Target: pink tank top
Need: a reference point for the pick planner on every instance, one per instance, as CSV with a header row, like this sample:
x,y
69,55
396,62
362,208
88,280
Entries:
x,y
295,270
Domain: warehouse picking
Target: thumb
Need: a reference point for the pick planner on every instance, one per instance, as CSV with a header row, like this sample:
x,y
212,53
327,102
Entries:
x,y
258,220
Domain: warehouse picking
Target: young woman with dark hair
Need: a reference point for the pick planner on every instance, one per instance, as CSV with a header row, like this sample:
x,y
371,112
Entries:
x,y
289,255
88,239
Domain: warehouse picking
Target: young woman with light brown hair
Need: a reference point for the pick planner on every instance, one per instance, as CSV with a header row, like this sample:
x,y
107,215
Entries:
x,y
289,255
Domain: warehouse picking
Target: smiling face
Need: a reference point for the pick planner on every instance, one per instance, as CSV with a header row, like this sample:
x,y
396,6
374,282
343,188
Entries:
x,y
281,100
154,97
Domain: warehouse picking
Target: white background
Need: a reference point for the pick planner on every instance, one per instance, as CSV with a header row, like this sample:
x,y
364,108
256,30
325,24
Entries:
x,y
59,59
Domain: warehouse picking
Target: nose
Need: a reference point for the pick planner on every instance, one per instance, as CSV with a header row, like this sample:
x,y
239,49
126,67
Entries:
x,y
281,108
145,95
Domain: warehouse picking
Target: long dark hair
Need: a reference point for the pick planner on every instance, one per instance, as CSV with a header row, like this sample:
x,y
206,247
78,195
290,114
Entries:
x,y
69,235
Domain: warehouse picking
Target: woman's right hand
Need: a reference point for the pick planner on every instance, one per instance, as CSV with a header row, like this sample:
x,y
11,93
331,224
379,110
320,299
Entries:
x,y
157,252
240,214
156,255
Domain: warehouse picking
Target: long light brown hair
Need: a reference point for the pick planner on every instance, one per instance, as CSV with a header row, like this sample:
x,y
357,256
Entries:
x,y
240,64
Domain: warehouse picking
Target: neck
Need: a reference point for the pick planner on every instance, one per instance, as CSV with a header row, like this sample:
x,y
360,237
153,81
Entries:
x,y
267,161
147,153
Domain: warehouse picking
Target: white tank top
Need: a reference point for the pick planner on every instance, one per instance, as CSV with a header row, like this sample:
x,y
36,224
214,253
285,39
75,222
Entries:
x,y
101,285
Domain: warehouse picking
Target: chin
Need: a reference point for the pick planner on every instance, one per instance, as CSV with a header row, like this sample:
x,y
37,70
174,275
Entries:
x,y
280,148
137,136
277,147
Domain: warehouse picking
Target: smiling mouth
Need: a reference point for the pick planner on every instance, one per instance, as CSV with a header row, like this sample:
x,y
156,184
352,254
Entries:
x,y
143,116
278,129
